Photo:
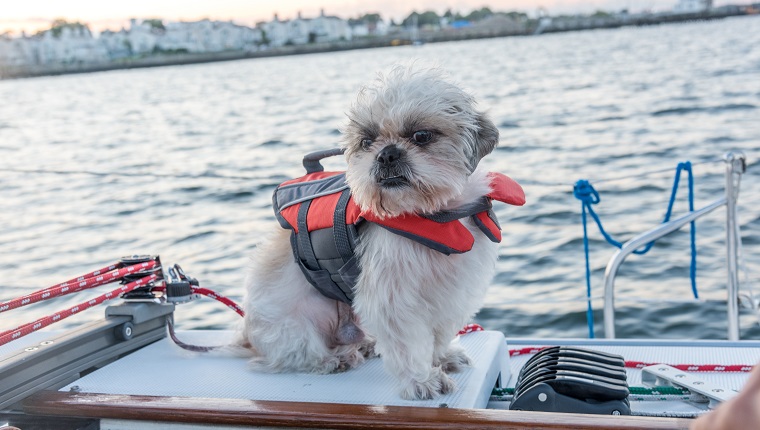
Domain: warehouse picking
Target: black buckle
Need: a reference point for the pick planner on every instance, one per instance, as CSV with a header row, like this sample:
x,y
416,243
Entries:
x,y
179,286
574,380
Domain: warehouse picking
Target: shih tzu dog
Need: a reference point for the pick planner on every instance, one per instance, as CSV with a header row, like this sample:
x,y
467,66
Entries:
x,y
410,265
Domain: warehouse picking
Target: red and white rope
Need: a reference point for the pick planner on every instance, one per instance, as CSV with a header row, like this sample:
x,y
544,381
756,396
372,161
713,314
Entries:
x,y
212,295
25,329
220,298
469,328
91,280
640,364
697,367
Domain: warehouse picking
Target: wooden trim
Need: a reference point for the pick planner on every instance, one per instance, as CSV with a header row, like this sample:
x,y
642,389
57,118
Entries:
x,y
320,415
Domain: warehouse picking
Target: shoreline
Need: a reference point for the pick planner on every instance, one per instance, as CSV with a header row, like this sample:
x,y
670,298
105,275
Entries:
x,y
161,60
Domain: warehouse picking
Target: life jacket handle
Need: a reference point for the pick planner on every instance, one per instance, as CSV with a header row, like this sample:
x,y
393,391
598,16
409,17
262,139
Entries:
x,y
311,161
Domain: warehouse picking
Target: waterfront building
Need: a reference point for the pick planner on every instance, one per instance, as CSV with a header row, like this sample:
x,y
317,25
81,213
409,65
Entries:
x,y
329,28
301,31
692,6
366,29
275,32
74,43
13,51
298,31
142,38
207,36
287,32
68,44
116,43
499,23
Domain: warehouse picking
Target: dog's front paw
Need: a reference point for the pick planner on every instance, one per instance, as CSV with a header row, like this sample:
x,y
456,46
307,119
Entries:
x,y
455,360
437,383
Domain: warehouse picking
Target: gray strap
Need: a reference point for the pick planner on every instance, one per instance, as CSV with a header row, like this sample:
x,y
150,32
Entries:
x,y
340,229
481,205
304,241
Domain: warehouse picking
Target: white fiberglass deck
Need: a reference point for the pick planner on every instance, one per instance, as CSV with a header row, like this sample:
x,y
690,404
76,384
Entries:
x,y
139,390
162,369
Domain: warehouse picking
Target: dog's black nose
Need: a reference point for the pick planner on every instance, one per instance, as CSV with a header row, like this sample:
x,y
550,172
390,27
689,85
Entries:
x,y
389,155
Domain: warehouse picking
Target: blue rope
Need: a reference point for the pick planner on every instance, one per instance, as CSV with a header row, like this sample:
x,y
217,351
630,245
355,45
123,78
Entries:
x,y
585,192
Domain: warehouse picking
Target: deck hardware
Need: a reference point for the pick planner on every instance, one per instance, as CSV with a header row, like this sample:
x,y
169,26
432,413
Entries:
x,y
662,374
67,355
179,286
130,260
571,379
142,294
124,331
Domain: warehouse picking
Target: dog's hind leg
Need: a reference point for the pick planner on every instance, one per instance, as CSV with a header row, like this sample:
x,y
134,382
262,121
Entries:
x,y
298,346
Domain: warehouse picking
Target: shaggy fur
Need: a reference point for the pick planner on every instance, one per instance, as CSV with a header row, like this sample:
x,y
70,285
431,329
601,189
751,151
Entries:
x,y
412,145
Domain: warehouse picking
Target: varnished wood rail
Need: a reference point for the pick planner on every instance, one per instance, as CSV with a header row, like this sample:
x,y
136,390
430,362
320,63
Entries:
x,y
255,413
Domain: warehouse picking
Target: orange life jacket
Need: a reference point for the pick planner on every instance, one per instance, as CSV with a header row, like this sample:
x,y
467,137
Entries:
x,y
324,219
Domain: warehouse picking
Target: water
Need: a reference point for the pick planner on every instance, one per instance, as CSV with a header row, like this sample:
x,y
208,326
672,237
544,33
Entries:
x,y
597,104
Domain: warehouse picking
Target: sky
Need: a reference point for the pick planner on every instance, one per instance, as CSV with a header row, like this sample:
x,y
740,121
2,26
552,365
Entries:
x,y
34,15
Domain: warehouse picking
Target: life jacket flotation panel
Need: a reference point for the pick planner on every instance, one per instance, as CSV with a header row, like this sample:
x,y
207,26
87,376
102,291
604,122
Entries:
x,y
324,220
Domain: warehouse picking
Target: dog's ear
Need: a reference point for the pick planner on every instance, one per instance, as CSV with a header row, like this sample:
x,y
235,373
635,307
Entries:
x,y
486,139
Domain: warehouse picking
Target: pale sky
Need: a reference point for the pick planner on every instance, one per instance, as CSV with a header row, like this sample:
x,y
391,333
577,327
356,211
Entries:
x,y
33,15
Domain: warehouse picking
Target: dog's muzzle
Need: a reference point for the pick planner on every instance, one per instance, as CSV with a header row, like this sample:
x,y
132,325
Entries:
x,y
390,167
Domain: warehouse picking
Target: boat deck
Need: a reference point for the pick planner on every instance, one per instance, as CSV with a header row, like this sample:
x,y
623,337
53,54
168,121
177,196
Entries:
x,y
163,369
162,386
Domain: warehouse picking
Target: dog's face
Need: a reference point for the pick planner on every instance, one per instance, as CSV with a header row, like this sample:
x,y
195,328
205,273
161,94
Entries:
x,y
412,140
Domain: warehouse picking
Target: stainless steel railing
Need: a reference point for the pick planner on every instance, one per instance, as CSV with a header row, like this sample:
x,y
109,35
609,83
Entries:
x,y
735,167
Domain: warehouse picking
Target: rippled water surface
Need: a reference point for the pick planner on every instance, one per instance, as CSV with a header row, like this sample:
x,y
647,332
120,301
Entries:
x,y
598,105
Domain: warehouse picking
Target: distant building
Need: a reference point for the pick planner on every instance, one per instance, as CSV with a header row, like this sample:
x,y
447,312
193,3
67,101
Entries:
x,y
142,38
12,51
329,29
208,36
288,32
70,43
275,31
692,6
460,23
499,23
301,31
366,29
67,44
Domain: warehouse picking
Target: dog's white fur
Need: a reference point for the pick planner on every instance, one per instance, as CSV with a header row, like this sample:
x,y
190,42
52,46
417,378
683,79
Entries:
x,y
409,298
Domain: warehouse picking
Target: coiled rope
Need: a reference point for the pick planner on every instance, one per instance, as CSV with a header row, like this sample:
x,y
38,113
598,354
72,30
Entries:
x,y
589,196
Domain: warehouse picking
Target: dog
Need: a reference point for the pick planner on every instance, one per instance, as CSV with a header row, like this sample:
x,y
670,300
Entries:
x,y
412,147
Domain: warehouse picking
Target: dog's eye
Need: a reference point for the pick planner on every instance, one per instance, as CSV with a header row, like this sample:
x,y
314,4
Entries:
x,y
422,137
366,143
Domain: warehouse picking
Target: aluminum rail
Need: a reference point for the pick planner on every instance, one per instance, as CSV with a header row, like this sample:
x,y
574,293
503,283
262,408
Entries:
x,y
62,358
735,166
